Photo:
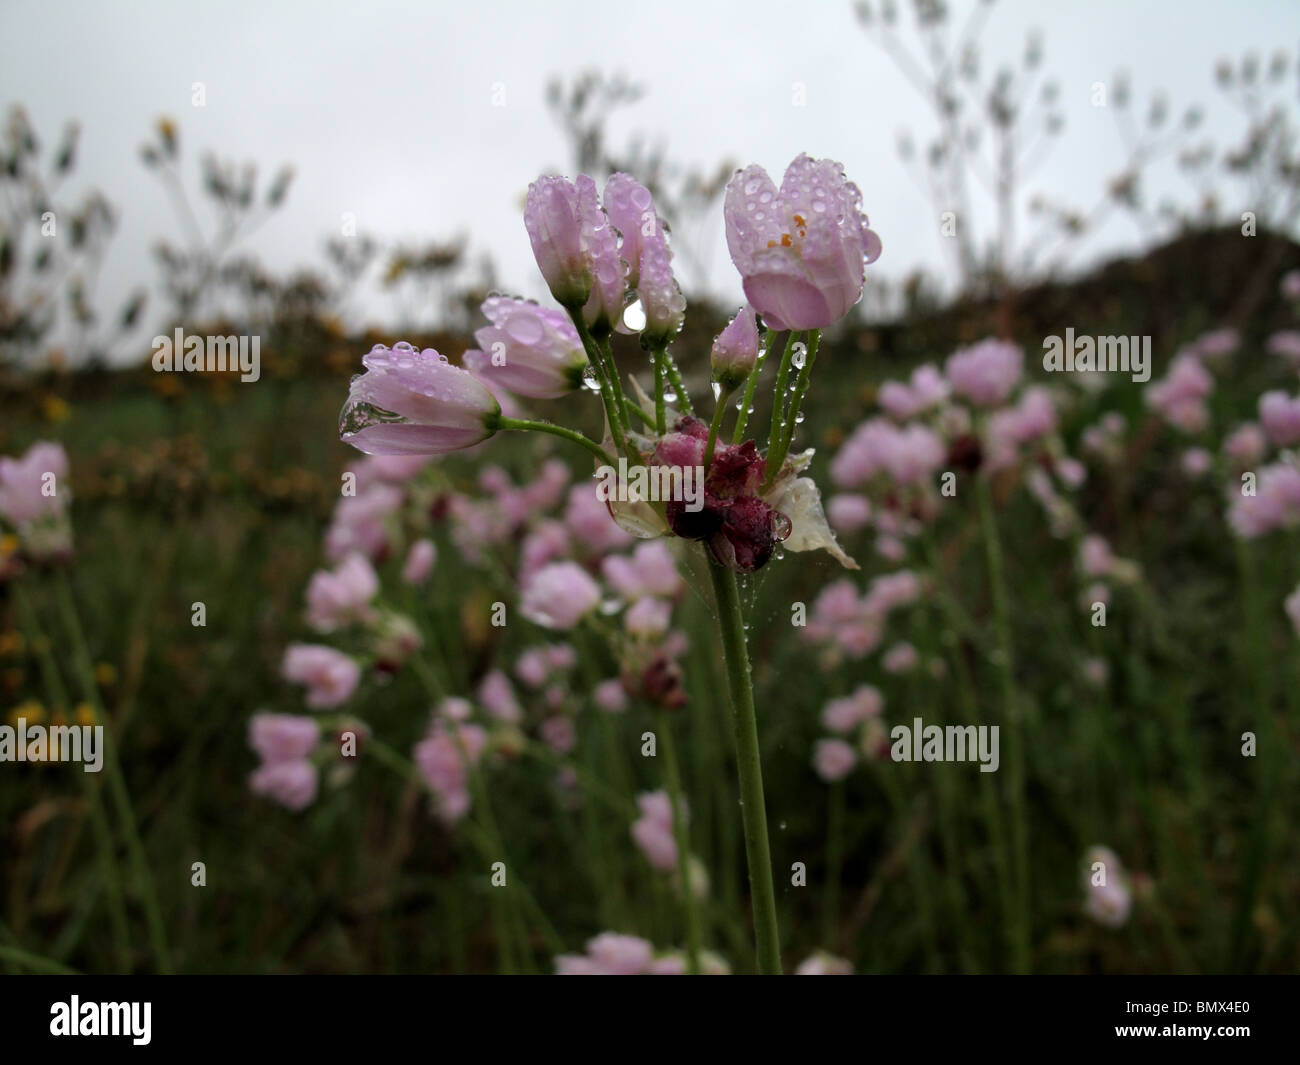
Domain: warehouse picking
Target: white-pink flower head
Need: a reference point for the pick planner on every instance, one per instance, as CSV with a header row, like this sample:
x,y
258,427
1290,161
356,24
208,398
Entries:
x,y
987,372
412,402
560,595
529,350
337,598
1279,414
801,250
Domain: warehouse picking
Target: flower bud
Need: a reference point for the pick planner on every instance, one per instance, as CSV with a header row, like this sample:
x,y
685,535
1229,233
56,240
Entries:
x,y
735,351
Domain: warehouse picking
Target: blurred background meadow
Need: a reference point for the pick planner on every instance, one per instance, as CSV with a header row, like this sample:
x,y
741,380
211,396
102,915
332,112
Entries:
x,y
1028,171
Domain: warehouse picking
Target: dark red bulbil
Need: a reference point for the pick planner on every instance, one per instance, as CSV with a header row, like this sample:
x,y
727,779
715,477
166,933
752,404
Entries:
x,y
740,529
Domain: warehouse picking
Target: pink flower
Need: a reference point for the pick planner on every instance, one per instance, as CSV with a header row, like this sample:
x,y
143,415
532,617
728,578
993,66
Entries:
x,y
661,297
379,469
442,758
546,543
1247,445
1196,462
985,373
419,562
1286,344
330,676
609,954
1279,414
823,964
651,570
1071,471
589,521
653,830
34,486
1095,557
292,784
927,389
562,218
532,668
800,250
559,596
1216,344
558,733
1290,285
648,618
610,696
1275,504
342,597
603,310
630,208
361,523
848,513
845,714
900,658
412,402
34,499
283,737
497,697
735,351
529,350
833,759
890,591
1179,398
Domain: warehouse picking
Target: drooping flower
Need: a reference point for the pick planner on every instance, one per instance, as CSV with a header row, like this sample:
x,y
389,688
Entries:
x,y
285,744
329,675
562,217
611,954
291,784
1279,414
560,595
846,713
801,249
419,561
820,963
653,830
927,389
34,498
985,373
1179,397
833,759
412,402
342,596
529,350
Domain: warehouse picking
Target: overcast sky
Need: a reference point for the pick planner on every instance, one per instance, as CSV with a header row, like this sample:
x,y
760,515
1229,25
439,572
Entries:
x,y
386,109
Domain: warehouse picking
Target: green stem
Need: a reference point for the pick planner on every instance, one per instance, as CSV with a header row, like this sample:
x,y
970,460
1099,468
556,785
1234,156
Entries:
x,y
742,419
801,389
56,693
529,426
661,421
758,854
777,428
673,780
610,394
116,780
1013,720
719,412
791,419
675,379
